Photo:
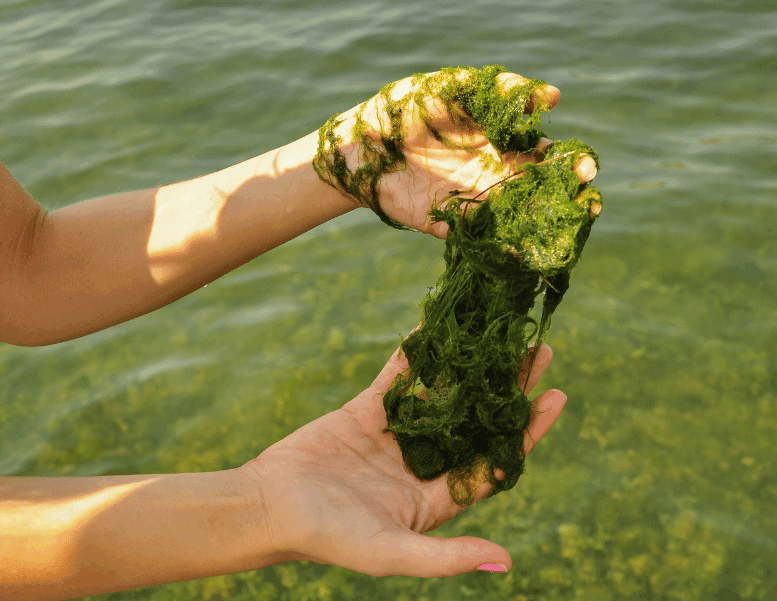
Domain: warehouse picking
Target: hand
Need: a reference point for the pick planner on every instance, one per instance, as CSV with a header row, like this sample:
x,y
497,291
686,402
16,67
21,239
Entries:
x,y
337,492
431,168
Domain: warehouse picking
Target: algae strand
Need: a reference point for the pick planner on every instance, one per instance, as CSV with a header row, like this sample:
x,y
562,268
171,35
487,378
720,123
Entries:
x,y
460,410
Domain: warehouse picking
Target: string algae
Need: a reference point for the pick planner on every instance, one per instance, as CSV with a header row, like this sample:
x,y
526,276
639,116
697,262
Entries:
x,y
460,409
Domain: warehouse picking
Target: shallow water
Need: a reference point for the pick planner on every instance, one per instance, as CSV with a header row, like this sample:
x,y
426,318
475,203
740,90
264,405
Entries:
x,y
658,482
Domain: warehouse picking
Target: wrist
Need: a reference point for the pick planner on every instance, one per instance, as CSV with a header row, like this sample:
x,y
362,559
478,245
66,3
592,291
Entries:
x,y
298,158
263,543
277,526
357,149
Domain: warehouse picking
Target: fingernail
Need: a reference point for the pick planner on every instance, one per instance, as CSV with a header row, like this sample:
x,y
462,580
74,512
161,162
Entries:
x,y
492,567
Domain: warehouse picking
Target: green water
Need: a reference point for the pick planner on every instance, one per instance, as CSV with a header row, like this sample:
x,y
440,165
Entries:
x,y
658,482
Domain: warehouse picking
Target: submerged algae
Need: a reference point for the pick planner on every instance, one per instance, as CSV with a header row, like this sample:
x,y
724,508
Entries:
x,y
460,408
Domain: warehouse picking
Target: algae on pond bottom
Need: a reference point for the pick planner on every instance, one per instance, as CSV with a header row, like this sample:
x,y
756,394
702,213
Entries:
x,y
460,409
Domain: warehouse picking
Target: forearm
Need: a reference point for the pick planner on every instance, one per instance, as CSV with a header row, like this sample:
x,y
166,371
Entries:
x,y
108,260
62,538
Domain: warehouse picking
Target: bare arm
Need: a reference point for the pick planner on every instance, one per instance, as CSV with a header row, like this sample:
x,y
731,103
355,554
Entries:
x,y
65,538
97,263
336,492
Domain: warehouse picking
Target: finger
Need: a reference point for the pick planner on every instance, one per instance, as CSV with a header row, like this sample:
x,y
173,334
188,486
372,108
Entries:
x,y
594,208
513,160
396,365
533,366
585,168
547,95
547,409
590,199
538,364
542,148
438,229
424,556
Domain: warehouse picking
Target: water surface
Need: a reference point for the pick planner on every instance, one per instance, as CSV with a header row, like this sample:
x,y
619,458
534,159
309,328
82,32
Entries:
x,y
658,482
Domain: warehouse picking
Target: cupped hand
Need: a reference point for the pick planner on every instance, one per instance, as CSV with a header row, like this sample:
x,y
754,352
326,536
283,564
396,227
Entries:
x,y
337,491
441,152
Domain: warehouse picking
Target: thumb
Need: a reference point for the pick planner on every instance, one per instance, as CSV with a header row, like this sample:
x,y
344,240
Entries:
x,y
425,556
396,365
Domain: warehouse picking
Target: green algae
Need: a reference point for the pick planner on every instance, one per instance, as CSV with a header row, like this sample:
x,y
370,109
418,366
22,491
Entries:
x,y
468,94
460,409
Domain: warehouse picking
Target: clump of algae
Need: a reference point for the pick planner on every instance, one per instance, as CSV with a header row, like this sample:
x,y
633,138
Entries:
x,y
460,410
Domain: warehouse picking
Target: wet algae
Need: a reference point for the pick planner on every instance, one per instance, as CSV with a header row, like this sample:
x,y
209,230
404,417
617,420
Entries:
x,y
460,410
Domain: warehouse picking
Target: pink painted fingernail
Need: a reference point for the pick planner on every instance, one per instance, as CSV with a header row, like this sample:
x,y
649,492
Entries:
x,y
492,567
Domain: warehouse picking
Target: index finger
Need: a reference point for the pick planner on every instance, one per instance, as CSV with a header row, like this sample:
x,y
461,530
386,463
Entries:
x,y
547,95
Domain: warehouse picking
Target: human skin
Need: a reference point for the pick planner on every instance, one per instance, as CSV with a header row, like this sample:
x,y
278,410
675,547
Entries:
x,y
336,492
97,263
85,267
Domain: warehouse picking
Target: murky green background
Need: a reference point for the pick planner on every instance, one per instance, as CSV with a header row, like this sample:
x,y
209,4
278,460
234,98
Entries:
x,y
659,481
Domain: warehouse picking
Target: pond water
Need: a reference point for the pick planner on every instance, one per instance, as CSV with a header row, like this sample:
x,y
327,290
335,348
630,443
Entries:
x,y
660,479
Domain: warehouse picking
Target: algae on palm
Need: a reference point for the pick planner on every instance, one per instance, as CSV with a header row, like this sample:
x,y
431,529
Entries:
x,y
460,410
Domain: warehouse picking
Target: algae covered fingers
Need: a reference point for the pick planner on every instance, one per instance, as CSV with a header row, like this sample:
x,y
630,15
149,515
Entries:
x,y
423,137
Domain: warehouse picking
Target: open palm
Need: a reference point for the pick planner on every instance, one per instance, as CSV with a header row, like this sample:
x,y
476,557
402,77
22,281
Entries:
x,y
337,491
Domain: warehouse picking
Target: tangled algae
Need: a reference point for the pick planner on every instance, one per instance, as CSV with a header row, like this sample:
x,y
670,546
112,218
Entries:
x,y
460,409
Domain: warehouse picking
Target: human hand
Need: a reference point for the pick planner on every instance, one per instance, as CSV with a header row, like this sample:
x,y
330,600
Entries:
x,y
405,150
337,491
